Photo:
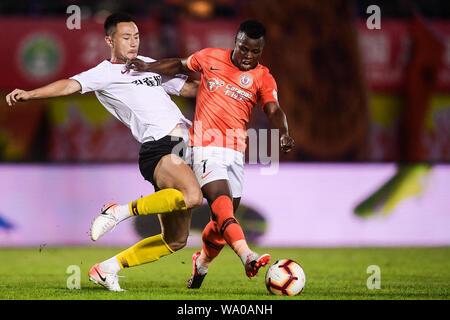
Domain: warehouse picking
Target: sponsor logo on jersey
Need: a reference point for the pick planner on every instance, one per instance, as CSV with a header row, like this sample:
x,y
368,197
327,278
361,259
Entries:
x,y
245,80
152,81
230,90
214,84
275,94
237,93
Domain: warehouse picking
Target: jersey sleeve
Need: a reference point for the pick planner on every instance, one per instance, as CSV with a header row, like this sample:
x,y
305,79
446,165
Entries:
x,y
93,79
173,85
195,61
268,90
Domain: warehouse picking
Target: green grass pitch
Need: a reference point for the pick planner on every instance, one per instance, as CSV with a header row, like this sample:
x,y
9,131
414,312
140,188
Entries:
x,y
332,274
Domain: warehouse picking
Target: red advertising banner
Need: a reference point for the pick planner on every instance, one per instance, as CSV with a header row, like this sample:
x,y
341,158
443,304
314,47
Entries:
x,y
44,50
386,52
195,35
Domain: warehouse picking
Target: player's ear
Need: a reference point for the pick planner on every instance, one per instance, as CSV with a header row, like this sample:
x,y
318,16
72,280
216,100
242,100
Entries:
x,y
109,41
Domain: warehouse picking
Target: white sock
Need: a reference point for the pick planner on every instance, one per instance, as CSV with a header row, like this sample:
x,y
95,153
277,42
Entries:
x,y
201,268
247,254
122,212
111,265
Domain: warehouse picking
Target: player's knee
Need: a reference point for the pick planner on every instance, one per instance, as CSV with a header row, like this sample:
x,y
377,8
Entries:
x,y
177,243
193,198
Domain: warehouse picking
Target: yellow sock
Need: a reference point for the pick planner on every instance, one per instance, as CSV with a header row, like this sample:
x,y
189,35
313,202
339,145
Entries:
x,y
147,250
163,201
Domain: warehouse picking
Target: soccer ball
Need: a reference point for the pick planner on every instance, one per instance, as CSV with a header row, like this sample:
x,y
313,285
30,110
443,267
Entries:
x,y
285,278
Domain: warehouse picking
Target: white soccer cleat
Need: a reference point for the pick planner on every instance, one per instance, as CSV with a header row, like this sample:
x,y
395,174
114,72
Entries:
x,y
104,222
254,262
109,280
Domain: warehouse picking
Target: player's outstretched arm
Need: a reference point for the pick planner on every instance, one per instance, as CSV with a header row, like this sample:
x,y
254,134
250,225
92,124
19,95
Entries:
x,y
169,66
58,88
278,120
189,89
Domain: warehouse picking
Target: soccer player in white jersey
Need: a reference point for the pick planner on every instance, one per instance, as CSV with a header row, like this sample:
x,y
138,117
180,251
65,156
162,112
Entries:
x,y
140,100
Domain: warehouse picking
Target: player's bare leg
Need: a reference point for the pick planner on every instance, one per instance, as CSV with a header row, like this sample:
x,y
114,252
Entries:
x,y
173,173
179,188
180,191
175,228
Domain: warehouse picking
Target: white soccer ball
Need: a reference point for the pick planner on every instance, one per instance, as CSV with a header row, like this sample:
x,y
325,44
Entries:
x,y
285,278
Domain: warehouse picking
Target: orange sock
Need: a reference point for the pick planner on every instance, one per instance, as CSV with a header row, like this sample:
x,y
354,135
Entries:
x,y
227,225
213,241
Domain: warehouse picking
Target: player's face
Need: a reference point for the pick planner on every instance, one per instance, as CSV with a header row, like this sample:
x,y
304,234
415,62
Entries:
x,y
247,51
125,41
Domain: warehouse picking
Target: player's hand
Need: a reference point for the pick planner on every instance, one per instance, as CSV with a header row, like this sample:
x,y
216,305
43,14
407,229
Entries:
x,y
17,95
286,143
136,64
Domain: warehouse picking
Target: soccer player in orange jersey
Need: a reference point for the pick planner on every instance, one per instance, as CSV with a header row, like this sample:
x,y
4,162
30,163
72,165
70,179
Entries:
x,y
232,83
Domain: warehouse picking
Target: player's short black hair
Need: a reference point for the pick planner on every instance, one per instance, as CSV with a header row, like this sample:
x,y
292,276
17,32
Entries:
x,y
253,29
115,18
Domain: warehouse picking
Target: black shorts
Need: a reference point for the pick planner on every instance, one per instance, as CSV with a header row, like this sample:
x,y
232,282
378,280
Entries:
x,y
152,151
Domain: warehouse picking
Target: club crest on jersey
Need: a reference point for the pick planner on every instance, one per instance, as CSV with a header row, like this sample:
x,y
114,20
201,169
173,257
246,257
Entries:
x,y
214,83
245,80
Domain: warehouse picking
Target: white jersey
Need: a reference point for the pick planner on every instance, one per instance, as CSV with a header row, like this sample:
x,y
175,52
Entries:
x,y
140,100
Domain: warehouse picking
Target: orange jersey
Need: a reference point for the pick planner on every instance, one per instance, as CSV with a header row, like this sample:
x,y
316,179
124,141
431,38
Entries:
x,y
226,97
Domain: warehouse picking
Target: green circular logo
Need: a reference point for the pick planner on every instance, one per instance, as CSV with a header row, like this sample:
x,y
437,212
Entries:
x,y
40,56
